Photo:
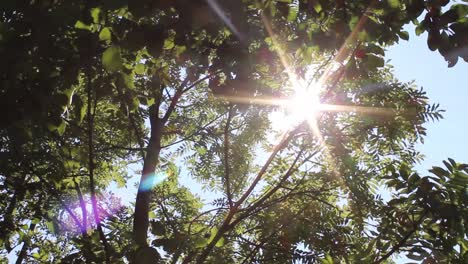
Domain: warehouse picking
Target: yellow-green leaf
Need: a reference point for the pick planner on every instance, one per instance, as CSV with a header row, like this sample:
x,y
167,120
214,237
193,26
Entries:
x,y
317,7
168,43
150,102
394,3
61,128
128,80
111,59
95,12
327,260
140,68
105,34
220,242
81,25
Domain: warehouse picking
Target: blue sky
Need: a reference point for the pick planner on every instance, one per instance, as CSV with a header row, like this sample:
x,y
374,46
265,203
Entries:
x,y
449,137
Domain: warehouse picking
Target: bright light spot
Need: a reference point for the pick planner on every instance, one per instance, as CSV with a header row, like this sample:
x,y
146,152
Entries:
x,y
304,105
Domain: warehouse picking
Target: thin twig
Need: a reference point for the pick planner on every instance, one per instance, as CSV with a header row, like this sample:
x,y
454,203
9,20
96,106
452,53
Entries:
x,y
194,133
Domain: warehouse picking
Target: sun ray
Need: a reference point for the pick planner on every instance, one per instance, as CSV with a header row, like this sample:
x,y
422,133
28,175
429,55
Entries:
x,y
300,106
222,15
304,104
383,111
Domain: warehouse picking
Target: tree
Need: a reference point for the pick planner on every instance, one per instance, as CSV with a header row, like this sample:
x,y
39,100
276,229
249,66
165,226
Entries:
x,y
91,87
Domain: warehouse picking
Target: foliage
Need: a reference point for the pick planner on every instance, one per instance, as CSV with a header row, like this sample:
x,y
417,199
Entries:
x,y
91,88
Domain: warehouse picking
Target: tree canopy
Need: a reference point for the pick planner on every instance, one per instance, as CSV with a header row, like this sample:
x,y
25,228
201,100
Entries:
x,y
285,111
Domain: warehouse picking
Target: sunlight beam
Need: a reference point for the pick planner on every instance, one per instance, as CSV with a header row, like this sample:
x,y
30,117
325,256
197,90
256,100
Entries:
x,y
305,103
221,14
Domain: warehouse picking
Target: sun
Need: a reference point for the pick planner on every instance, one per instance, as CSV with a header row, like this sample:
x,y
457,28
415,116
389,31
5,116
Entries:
x,y
303,105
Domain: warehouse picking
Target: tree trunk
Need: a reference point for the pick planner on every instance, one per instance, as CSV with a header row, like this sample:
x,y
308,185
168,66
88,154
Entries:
x,y
141,221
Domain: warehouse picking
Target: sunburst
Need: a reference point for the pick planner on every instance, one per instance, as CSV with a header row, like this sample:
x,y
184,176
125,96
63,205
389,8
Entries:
x,y
304,104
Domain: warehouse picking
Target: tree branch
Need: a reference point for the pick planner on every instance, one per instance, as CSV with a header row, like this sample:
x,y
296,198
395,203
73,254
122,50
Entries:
x,y
226,156
92,187
84,212
226,225
194,133
201,80
262,171
150,161
396,247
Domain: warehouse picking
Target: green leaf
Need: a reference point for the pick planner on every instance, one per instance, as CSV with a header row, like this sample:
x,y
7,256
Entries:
x,y
135,103
404,35
105,34
448,165
150,102
461,9
128,80
95,12
81,25
179,50
419,30
151,215
292,15
61,128
220,242
200,242
370,246
376,50
454,164
82,112
413,179
439,171
147,255
327,260
213,233
353,22
51,226
394,3
317,7
168,43
140,68
414,256
111,59
374,62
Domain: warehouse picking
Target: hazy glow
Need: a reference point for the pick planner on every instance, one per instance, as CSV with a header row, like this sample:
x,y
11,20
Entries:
x,y
305,103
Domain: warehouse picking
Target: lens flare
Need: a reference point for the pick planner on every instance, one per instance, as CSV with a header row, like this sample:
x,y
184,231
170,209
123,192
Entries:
x,y
304,105
152,180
